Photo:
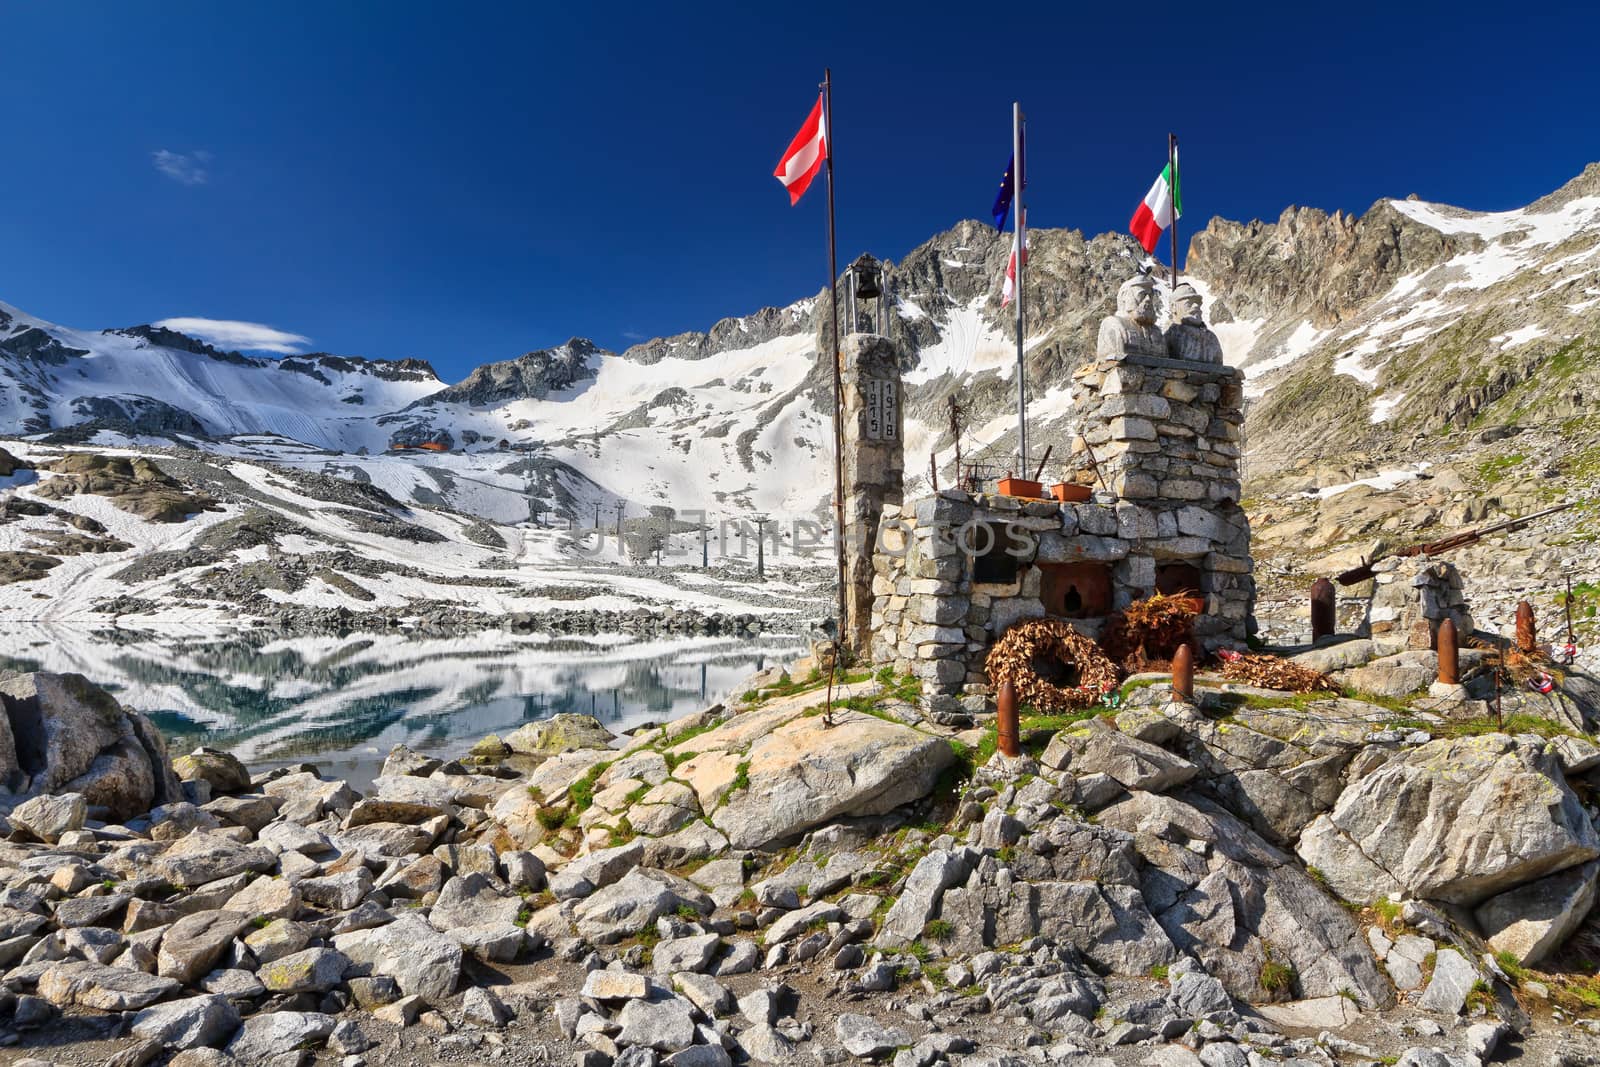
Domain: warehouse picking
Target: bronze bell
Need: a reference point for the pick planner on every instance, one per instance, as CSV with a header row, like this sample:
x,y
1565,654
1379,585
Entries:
x,y
867,287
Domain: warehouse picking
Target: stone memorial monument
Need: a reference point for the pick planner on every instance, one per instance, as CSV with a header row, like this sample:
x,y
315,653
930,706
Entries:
x,y
874,466
1161,438
1189,337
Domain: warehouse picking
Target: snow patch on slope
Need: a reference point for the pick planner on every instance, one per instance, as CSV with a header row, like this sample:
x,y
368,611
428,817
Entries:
x,y
967,345
1520,336
1383,481
1304,338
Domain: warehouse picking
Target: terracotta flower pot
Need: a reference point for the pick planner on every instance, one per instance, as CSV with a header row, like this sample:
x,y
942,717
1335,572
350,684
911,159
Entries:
x,y
1022,487
1070,492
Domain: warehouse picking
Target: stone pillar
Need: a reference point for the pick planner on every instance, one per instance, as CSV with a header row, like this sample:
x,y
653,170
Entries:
x,y
874,467
1411,596
1165,436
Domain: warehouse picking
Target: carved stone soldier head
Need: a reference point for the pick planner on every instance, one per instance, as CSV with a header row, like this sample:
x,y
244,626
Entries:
x,y
1137,300
1186,301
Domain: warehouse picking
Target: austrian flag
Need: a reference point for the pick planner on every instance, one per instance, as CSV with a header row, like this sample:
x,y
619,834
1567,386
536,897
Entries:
x,y
1162,204
805,154
1009,290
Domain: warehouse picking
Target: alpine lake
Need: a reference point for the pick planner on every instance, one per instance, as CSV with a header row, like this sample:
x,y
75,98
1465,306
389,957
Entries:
x,y
341,702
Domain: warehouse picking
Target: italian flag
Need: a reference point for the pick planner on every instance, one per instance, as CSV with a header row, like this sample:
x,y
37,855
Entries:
x,y
1162,204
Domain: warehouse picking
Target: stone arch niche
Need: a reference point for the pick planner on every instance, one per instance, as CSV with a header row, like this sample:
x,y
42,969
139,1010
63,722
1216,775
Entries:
x,y
1175,576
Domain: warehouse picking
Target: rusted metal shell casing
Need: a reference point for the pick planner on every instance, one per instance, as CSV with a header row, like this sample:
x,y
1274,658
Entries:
x,y
1324,618
1183,673
1527,632
1449,654
1010,740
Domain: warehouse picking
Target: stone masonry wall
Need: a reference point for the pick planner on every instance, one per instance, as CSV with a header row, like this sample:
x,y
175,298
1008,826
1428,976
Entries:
x,y
933,617
1162,430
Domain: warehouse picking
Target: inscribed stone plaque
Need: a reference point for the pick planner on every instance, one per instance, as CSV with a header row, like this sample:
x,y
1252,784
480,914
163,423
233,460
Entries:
x,y
882,410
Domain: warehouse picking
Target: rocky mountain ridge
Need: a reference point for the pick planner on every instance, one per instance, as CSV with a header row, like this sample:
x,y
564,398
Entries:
x,y
1278,289
1412,346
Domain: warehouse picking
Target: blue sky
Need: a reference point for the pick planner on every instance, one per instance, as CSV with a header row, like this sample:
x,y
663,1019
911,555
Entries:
x,y
465,182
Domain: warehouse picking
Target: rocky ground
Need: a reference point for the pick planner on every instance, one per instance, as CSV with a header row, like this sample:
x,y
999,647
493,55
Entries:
x,y
1253,877
1324,518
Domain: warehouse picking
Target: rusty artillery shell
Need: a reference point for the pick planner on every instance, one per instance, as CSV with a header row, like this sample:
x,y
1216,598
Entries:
x,y
1006,720
1324,620
1183,673
1449,654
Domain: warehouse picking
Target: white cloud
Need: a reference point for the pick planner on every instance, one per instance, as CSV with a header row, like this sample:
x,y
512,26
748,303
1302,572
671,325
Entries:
x,y
249,336
185,168
634,335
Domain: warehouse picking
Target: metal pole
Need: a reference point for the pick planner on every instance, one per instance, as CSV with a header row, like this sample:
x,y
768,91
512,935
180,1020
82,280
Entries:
x,y
1019,229
1172,191
1499,717
761,550
1571,636
705,551
955,436
834,352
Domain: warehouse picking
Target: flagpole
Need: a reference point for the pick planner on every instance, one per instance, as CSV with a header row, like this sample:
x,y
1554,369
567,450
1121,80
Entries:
x,y
1018,178
1172,191
838,376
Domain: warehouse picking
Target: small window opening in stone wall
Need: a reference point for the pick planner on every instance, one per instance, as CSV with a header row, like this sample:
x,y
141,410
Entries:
x,y
991,563
1177,577
1075,590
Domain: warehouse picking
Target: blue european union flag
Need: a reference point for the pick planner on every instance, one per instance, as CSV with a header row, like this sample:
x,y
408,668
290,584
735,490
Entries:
x,y
1002,202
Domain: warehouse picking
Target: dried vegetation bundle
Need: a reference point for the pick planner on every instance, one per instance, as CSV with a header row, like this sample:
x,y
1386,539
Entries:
x,y
1270,672
1053,666
1146,634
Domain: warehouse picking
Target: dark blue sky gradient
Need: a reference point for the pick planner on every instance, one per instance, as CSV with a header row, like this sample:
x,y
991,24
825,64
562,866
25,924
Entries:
x,y
465,182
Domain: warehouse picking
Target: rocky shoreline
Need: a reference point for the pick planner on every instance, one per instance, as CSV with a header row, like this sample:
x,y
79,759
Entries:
x,y
1256,877
444,619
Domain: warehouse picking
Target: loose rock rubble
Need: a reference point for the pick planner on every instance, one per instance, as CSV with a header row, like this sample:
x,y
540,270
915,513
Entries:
x,y
757,886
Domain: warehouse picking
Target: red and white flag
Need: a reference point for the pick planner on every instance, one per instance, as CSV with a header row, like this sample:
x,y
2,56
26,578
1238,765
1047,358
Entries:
x,y
805,154
1009,290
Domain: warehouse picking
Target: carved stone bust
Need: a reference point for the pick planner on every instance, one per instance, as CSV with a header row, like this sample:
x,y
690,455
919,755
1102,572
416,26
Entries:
x,y
1189,337
1132,331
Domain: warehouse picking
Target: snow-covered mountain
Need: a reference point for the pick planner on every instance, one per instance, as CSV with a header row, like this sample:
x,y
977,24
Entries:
x,y
575,428
1360,334
152,380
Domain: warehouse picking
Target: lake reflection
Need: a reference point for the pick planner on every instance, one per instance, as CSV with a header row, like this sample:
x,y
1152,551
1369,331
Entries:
x,y
342,702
